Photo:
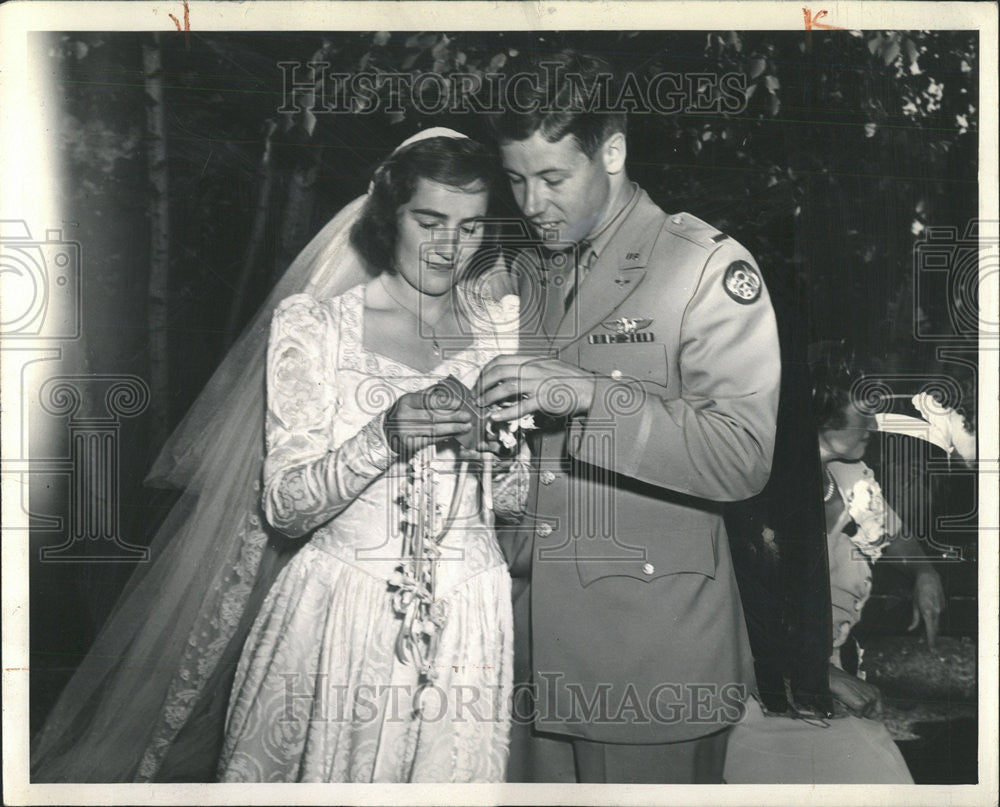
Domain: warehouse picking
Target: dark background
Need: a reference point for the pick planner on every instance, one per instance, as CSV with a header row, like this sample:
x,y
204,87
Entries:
x,y
852,145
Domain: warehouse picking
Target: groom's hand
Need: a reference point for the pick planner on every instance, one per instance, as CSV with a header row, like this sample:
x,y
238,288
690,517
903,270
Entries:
x,y
549,386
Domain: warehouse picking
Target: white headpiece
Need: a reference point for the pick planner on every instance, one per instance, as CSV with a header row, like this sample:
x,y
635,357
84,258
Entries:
x,y
426,134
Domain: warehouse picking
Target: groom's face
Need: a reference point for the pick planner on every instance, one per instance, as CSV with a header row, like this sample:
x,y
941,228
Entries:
x,y
558,188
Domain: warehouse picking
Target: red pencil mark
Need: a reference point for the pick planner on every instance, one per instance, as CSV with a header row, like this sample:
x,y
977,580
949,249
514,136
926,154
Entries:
x,y
812,20
187,19
187,23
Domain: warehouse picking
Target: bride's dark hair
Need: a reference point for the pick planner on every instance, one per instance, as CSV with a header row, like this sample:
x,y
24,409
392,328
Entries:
x,y
456,162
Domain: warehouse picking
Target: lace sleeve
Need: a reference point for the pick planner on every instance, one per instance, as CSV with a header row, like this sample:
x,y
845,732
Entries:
x,y
305,481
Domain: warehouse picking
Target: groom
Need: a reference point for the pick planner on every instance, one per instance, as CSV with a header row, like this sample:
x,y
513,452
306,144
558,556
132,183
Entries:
x,y
650,359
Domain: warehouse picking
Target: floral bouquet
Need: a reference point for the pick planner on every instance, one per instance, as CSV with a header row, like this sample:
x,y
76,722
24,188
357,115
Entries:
x,y
413,584
507,495
426,519
866,506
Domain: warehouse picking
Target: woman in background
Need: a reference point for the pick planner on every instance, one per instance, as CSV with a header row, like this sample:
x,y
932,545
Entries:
x,y
851,747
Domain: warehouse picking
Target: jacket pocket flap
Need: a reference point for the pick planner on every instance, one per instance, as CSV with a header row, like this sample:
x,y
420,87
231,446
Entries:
x,y
689,550
642,361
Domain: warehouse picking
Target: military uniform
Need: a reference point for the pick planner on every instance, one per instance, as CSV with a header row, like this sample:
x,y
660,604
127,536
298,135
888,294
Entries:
x,y
636,628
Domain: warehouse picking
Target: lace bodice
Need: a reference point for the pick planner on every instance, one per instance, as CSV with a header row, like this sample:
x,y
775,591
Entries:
x,y
326,450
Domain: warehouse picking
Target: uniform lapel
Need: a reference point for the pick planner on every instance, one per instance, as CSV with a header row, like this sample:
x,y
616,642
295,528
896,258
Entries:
x,y
617,272
535,292
553,307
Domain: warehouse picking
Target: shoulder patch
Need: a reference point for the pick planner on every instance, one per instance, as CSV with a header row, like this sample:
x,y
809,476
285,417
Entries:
x,y
742,282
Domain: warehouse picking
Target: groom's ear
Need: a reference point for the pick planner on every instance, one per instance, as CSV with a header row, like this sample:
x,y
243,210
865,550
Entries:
x,y
613,153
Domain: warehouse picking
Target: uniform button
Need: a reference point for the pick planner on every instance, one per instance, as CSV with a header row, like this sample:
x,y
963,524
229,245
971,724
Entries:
x,y
547,477
616,374
543,529
676,219
858,605
648,568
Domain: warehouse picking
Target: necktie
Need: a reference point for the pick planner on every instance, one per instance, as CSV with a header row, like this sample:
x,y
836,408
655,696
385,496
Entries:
x,y
580,268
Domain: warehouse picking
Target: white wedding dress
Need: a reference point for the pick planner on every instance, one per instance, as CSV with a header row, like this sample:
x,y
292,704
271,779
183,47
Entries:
x,y
320,694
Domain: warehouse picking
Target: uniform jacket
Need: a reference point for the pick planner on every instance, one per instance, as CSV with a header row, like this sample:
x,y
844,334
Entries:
x,y
637,630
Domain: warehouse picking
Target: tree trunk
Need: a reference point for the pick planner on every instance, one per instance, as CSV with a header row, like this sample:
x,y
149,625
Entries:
x,y
255,244
159,233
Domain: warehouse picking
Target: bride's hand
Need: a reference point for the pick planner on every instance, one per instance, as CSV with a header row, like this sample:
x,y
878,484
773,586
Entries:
x,y
418,419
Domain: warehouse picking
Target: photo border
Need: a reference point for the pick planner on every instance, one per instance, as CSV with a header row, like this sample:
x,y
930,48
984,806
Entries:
x,y
16,201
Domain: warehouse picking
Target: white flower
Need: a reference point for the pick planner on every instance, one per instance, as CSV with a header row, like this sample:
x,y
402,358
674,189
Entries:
x,y
506,431
527,422
867,507
947,426
507,439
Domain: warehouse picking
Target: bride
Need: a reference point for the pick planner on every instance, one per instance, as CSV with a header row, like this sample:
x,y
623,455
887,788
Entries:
x,y
315,697
382,649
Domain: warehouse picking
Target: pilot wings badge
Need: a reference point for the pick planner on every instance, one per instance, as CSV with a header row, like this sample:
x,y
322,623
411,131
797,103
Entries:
x,y
624,330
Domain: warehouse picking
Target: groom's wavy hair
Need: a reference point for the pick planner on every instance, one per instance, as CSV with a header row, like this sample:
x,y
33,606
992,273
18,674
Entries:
x,y
570,94
834,369
455,162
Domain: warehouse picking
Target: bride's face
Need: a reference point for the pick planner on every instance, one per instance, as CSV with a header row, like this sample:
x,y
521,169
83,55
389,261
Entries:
x,y
439,229
849,440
